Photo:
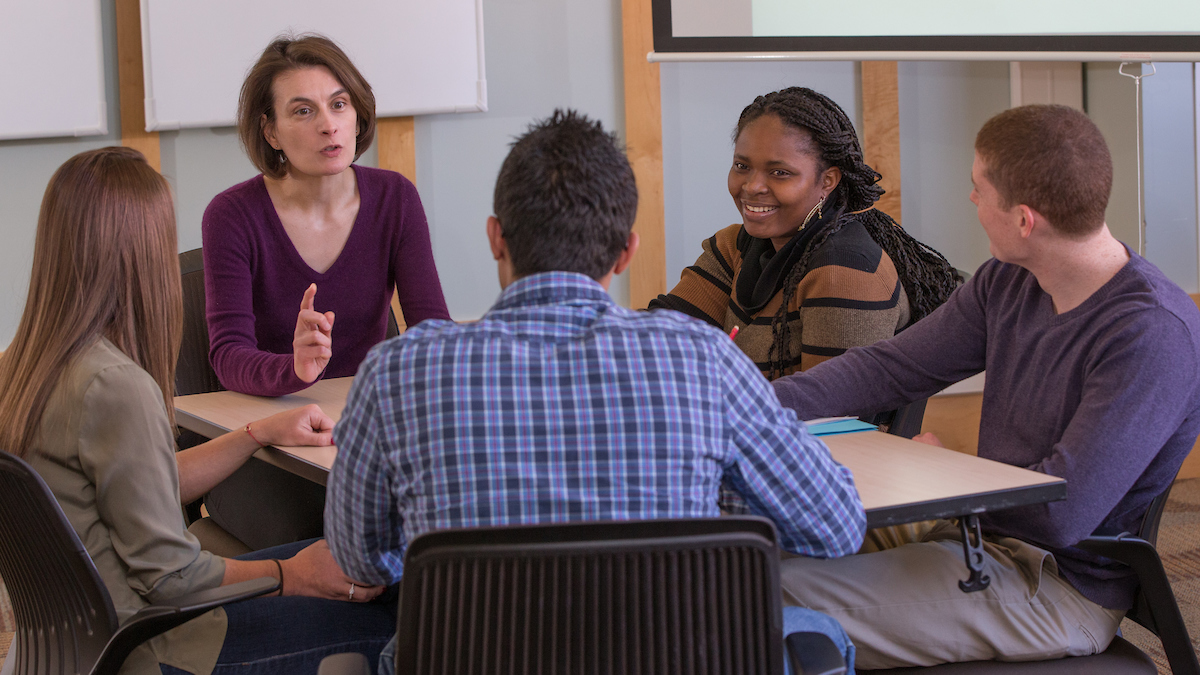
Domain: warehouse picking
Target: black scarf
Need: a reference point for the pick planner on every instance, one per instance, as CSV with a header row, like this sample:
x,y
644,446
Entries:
x,y
764,269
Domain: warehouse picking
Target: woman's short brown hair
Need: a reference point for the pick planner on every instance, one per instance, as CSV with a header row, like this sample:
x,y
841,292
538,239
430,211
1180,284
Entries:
x,y
257,99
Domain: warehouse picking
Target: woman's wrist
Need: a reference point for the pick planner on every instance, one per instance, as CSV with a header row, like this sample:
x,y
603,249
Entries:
x,y
279,568
254,436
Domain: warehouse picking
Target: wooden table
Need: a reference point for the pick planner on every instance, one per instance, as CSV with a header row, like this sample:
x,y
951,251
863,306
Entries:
x,y
211,415
900,481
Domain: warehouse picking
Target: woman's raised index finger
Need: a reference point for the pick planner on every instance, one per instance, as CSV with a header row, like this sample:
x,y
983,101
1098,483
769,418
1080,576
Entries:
x,y
309,294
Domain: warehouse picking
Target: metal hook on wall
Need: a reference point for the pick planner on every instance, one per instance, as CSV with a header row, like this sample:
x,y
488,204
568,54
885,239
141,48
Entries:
x,y
1137,101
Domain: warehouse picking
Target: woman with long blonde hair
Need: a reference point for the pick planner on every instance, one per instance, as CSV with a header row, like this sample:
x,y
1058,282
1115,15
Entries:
x,y
86,398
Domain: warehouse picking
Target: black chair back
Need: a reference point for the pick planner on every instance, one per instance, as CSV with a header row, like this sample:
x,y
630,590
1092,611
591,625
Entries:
x,y
64,615
193,372
906,421
698,596
66,622
1155,607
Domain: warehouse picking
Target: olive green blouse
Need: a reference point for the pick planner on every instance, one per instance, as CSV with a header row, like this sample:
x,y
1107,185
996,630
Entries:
x,y
106,449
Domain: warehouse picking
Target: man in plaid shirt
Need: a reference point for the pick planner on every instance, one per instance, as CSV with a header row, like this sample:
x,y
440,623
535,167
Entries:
x,y
559,405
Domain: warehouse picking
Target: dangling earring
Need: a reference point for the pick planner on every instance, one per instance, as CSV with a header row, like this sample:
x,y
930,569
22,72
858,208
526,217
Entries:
x,y
282,157
816,210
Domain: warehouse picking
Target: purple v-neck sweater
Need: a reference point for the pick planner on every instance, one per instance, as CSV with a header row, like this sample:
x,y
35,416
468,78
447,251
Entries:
x,y
1106,396
254,279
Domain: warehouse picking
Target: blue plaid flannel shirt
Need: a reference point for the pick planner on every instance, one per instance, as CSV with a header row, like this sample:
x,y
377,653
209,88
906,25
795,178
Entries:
x,y
559,405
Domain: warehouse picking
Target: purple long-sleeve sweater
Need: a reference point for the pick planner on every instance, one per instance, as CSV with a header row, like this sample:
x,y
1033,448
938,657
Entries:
x,y
1106,396
254,279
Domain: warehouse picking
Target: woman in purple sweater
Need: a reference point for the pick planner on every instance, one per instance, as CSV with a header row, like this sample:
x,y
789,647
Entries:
x,y
300,261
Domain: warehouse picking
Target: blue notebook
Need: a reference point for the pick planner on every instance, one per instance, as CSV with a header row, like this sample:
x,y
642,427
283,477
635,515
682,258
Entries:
x,y
838,425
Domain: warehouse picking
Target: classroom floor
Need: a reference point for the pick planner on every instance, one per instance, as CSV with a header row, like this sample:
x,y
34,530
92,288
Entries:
x,y
1178,544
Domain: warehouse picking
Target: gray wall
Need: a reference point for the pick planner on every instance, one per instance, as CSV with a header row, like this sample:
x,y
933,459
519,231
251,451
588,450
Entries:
x,y
543,54
25,168
942,106
1169,135
1110,102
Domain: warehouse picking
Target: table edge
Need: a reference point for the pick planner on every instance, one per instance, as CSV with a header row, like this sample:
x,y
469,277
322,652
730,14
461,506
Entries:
x,y
952,507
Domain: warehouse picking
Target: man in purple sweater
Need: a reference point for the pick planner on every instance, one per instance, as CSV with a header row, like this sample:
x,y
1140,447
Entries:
x,y
1092,368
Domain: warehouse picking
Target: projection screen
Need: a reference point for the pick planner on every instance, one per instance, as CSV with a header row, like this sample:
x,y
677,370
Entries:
x,y
1014,30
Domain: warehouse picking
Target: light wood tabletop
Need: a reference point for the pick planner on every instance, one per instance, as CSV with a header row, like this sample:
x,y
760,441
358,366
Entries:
x,y
899,480
215,413
902,481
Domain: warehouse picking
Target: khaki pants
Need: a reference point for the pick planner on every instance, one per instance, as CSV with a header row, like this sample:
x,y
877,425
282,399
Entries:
x,y
903,607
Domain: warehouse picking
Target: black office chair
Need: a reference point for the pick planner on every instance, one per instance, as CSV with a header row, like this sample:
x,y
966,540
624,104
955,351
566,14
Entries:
x,y
194,375
193,372
660,596
904,421
66,622
1154,608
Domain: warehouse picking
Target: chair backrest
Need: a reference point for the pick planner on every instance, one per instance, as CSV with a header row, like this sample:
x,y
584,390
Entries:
x,y
193,372
906,421
698,596
1154,607
63,611
1142,612
1154,513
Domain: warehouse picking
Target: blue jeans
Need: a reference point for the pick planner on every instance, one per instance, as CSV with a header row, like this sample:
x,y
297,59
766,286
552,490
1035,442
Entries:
x,y
292,634
799,619
795,619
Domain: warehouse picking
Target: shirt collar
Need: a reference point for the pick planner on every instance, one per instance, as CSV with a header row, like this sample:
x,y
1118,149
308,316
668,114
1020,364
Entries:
x,y
547,288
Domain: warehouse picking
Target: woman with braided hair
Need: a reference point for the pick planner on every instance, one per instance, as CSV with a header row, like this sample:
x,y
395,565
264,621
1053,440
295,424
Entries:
x,y
813,268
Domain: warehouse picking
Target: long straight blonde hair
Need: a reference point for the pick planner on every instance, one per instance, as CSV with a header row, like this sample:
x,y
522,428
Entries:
x,y
104,264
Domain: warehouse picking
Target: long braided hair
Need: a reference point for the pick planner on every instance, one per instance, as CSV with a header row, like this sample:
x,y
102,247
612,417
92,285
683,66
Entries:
x,y
927,277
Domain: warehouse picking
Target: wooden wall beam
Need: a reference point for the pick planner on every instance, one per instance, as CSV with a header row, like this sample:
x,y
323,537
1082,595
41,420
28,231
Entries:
x,y
881,129
396,137
643,140
131,83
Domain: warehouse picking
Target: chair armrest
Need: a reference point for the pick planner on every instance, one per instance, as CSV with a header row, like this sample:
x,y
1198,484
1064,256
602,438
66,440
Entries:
x,y
814,654
1164,617
349,663
161,617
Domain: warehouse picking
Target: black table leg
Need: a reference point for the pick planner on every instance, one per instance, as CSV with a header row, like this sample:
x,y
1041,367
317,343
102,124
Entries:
x,y
973,553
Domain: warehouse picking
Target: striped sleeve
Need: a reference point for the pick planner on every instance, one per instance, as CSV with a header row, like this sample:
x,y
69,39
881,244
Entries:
x,y
704,288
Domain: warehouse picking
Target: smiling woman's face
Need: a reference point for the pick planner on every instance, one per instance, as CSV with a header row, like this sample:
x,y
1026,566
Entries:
x,y
776,178
315,124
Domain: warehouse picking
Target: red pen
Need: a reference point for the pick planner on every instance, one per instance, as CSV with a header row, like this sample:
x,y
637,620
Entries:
x,y
733,333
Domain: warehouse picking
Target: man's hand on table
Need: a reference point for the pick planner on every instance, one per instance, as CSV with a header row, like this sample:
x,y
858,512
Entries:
x,y
929,439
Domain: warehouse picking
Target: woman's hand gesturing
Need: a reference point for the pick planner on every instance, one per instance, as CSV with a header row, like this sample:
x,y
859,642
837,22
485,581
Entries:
x,y
313,343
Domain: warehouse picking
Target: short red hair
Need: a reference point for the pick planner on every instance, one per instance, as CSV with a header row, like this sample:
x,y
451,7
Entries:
x,y
1053,159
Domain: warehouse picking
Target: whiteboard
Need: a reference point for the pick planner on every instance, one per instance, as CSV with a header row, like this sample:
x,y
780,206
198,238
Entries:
x,y
419,56
53,69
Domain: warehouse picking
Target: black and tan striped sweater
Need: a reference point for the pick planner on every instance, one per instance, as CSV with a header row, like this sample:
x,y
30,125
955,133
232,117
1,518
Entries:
x,y
851,296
